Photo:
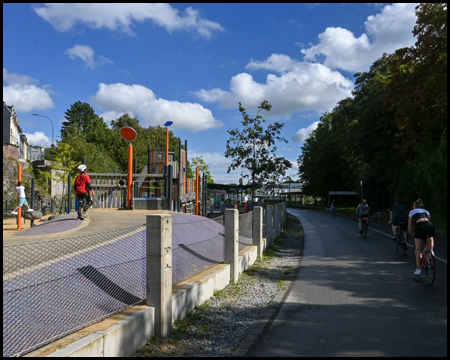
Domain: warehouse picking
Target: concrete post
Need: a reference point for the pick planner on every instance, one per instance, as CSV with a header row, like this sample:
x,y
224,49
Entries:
x,y
232,242
276,220
257,230
159,271
269,223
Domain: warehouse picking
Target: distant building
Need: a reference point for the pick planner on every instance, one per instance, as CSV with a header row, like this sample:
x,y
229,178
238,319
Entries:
x,y
15,142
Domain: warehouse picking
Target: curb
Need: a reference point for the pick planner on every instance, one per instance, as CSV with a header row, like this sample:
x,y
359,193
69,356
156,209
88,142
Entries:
x,y
272,308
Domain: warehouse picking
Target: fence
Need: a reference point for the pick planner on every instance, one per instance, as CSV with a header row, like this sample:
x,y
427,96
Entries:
x,y
54,288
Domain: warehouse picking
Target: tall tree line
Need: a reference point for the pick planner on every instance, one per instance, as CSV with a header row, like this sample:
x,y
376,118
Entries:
x,y
396,123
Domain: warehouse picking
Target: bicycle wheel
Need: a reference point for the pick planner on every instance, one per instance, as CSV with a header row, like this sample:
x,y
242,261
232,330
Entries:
x,y
414,255
396,242
380,216
371,215
430,269
402,243
365,229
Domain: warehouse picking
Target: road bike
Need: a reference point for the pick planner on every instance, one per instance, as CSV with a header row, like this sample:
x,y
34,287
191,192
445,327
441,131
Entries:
x,y
365,226
428,264
400,241
376,216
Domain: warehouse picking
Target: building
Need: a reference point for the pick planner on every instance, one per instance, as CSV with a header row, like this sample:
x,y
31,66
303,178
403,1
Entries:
x,y
15,142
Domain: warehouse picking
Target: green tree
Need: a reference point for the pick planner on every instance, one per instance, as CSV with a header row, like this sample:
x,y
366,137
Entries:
x,y
202,168
78,118
253,149
63,165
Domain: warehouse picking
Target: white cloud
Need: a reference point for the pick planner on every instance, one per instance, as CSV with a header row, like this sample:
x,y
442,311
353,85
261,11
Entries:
x,y
86,53
137,100
214,160
22,92
387,31
299,86
120,16
38,139
303,133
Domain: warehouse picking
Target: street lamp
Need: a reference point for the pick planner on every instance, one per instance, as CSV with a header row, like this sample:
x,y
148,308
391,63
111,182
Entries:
x,y
362,168
50,121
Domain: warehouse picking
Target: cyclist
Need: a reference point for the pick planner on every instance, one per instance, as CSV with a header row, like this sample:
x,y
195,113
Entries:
x,y
333,207
420,225
398,214
84,191
363,211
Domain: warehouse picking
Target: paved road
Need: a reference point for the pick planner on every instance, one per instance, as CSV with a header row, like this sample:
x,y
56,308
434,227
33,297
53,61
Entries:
x,y
356,296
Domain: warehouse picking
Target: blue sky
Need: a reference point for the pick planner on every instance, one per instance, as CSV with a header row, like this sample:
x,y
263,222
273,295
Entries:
x,y
192,64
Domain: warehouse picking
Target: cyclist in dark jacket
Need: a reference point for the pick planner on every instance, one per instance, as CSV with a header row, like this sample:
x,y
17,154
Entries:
x,y
398,214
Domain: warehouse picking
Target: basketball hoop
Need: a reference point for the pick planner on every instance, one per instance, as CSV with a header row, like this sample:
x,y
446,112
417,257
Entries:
x,y
128,133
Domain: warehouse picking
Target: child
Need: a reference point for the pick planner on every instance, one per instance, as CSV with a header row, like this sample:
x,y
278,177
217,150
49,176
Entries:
x,y
22,201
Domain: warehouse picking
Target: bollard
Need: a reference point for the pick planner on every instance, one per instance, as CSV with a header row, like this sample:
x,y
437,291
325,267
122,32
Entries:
x,y
159,271
232,242
32,199
257,230
269,224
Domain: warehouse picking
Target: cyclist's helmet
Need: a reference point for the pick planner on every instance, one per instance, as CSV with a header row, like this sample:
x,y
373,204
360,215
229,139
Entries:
x,y
81,168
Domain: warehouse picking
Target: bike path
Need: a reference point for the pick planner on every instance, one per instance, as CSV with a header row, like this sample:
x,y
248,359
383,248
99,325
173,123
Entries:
x,y
355,296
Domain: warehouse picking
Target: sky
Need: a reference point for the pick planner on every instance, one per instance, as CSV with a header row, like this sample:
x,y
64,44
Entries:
x,y
192,64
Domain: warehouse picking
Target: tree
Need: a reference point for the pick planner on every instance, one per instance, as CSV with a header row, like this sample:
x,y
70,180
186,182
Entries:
x,y
202,168
253,149
63,165
78,118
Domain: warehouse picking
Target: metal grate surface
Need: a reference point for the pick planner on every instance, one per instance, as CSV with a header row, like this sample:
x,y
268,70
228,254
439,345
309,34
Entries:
x,y
53,288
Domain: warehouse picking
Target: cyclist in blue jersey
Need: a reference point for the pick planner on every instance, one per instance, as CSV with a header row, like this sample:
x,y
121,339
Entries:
x,y
420,225
363,211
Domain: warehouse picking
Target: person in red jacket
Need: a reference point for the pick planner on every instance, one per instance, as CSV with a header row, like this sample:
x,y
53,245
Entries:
x,y
84,191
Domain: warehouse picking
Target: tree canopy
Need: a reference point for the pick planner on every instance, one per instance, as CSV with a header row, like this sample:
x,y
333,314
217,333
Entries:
x,y
395,126
253,148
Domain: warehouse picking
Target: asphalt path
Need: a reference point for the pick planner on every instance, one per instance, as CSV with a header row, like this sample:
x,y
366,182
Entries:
x,y
355,296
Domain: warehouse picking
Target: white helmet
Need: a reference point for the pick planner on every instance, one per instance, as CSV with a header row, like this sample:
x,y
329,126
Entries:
x,y
82,168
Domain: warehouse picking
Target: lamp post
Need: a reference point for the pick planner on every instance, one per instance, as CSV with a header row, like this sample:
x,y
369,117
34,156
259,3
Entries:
x,y
50,121
362,169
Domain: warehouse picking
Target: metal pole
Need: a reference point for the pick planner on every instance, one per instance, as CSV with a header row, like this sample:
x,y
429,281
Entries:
x,y
52,126
169,187
32,198
136,191
362,172
130,174
83,160
69,193
180,174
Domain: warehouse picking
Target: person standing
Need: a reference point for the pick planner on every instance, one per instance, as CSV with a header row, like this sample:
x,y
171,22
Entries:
x,y
84,191
22,200
363,211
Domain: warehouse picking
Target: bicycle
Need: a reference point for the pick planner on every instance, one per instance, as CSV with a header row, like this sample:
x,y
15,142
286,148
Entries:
x,y
428,264
376,216
333,210
365,226
400,241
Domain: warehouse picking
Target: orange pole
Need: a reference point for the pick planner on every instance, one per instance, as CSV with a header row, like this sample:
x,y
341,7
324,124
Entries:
x,y
167,146
196,189
19,215
185,174
245,208
130,173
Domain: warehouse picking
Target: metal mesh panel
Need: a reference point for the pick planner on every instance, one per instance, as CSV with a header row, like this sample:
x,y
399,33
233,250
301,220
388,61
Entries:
x,y
245,230
54,288
264,223
196,247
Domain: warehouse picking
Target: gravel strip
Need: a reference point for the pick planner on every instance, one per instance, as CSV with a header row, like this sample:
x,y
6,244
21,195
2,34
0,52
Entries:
x,y
218,327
